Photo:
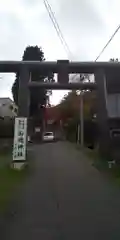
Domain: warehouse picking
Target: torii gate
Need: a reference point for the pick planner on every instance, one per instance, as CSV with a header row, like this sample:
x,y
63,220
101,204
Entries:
x,y
63,68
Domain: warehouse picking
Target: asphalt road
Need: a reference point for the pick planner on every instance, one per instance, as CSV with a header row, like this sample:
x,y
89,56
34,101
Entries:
x,y
65,198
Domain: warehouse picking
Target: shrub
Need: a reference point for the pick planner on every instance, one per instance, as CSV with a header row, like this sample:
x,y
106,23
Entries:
x,y
6,128
90,132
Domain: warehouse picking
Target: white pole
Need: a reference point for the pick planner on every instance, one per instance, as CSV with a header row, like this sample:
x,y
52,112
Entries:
x,y
78,133
81,120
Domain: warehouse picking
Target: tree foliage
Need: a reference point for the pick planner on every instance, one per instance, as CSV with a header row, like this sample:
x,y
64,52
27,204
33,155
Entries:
x,y
70,114
38,96
114,60
70,105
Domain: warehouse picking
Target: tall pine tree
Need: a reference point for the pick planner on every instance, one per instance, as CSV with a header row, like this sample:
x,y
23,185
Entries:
x,y
38,96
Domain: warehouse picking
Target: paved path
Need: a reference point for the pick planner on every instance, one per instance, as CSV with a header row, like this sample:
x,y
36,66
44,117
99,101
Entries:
x,y
65,198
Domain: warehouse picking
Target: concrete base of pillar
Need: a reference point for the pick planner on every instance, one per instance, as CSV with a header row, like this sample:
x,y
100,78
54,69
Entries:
x,y
19,165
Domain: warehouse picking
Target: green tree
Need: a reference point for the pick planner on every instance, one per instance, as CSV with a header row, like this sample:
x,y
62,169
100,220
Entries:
x,y
70,115
38,97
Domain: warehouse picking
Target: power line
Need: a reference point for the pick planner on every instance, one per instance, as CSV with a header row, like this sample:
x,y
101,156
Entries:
x,y
111,38
59,32
106,45
57,28
62,39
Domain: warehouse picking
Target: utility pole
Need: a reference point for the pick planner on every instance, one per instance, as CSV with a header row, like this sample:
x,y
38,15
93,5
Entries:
x,y
78,133
80,129
81,120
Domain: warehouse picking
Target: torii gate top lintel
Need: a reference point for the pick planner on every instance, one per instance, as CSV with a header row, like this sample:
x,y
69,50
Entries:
x,y
73,67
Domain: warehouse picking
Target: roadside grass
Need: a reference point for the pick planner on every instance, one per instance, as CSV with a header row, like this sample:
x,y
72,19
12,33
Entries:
x,y
102,164
10,179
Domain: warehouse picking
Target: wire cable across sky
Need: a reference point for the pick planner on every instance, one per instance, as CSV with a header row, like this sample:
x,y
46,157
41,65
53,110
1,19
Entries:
x,y
62,39
58,30
109,41
106,45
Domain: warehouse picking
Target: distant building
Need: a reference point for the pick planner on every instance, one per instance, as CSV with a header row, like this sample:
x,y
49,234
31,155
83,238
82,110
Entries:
x,y
8,108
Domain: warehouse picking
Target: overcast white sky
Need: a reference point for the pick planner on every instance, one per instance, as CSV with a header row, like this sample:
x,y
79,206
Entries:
x,y
86,26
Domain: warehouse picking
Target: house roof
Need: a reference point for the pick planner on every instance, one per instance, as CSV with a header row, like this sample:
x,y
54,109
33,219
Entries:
x,y
6,100
5,107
